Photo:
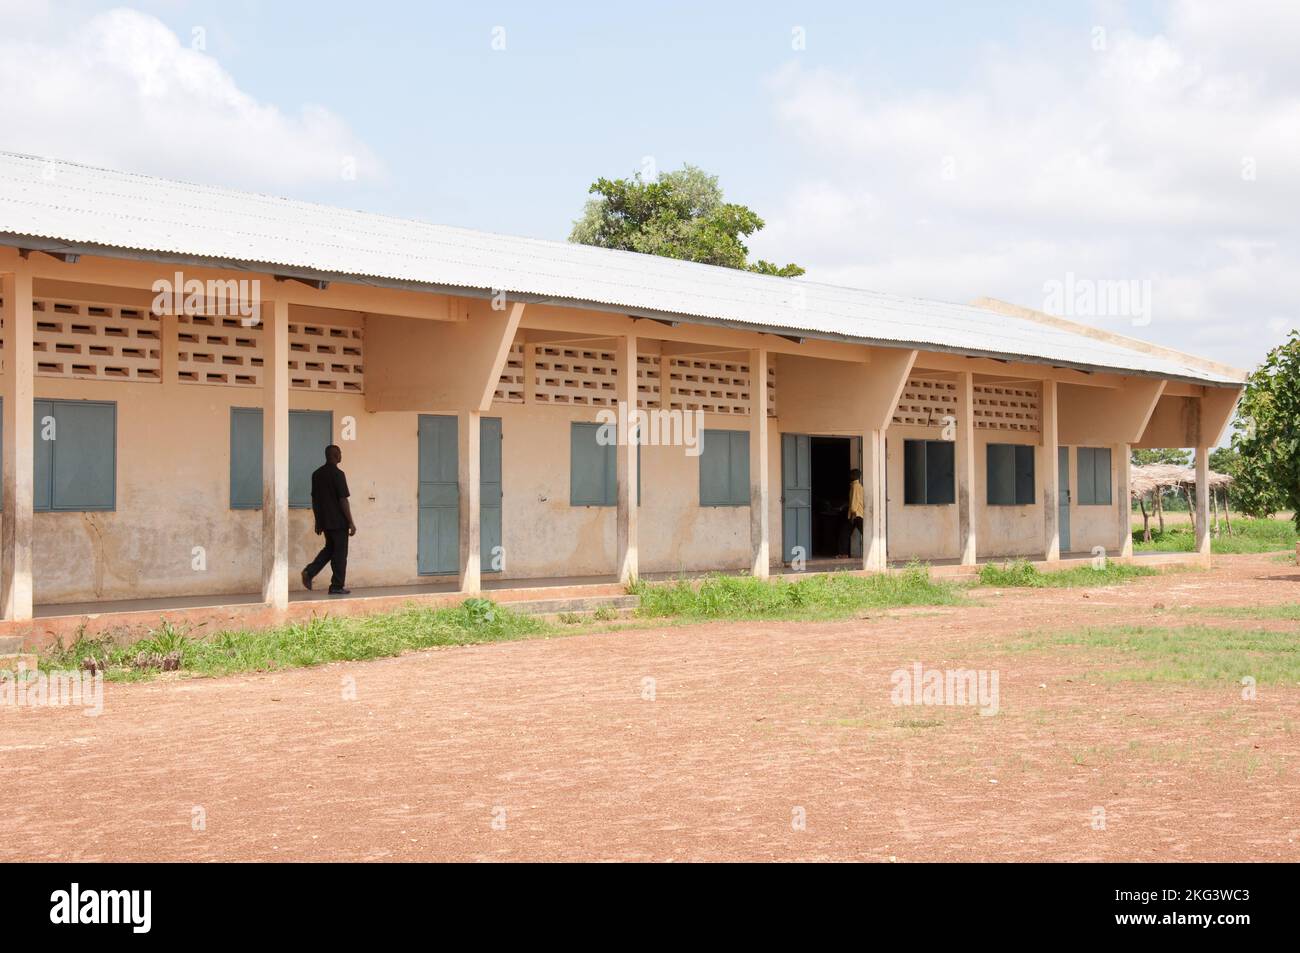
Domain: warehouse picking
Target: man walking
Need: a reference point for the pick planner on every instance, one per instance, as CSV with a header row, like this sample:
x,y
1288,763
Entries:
x,y
329,503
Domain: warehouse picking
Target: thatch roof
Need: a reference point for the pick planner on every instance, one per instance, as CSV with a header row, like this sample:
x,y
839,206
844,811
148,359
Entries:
x,y
1163,476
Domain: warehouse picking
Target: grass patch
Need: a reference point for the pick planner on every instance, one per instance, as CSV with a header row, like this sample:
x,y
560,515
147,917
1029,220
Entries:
x,y
1188,653
1287,612
313,642
1021,574
821,596
1249,536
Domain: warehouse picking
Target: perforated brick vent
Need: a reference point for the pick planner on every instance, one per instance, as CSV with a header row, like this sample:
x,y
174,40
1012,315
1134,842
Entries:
x,y
224,350
925,403
510,388
218,350
714,386
326,357
1007,407
89,341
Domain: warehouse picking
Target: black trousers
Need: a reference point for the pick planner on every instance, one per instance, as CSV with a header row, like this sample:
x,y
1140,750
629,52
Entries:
x,y
335,552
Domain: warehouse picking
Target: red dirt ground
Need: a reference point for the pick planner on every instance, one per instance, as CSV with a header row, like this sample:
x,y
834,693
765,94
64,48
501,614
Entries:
x,y
750,722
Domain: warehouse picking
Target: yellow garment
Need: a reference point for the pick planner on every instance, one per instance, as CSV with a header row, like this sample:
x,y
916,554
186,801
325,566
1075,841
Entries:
x,y
857,503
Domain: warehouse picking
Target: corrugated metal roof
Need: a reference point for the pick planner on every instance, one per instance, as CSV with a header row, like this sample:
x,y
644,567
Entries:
x,y
85,206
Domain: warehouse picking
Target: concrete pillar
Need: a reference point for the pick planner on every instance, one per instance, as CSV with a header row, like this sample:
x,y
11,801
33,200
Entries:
x,y
275,453
759,498
965,457
627,462
468,439
1051,474
875,545
1120,454
19,445
1203,500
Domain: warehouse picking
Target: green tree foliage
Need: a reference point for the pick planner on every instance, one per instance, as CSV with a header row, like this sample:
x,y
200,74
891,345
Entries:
x,y
680,215
1266,435
1175,456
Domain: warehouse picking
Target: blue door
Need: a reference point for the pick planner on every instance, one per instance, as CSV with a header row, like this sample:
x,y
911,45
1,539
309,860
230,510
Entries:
x,y
1063,496
489,457
438,546
438,549
796,495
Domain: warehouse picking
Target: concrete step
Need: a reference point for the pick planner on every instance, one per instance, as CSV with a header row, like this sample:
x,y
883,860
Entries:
x,y
10,644
623,604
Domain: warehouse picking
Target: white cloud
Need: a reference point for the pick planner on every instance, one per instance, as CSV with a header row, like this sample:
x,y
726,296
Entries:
x,y
1132,162
123,91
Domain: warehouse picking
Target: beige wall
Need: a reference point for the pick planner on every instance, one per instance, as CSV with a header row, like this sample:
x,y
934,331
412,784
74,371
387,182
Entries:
x,y
1093,525
916,532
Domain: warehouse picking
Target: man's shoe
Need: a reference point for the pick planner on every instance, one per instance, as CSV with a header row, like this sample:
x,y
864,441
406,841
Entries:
x,y
340,592
306,581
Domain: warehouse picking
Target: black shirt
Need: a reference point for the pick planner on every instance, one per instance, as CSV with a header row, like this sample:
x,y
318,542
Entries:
x,y
329,487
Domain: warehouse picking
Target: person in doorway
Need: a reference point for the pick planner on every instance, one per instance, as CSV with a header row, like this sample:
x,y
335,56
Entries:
x,y
857,508
329,504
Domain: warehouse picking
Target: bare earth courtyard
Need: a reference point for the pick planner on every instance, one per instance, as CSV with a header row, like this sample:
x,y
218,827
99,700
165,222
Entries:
x,y
548,749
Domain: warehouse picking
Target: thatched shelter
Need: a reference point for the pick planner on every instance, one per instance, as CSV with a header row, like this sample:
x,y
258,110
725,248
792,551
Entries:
x,y
1153,480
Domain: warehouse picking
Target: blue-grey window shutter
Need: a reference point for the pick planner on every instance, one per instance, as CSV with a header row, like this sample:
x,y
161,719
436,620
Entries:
x,y
591,467
310,432
1101,474
245,458
724,468
739,477
43,451
1024,456
82,456
1086,481
1000,474
715,467
940,472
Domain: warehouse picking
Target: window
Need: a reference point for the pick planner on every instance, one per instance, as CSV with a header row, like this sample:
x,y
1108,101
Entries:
x,y
593,479
928,472
1010,474
75,455
310,432
724,468
1094,476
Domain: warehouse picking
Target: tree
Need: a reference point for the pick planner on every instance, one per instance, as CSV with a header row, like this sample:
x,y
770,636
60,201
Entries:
x,y
680,215
1266,433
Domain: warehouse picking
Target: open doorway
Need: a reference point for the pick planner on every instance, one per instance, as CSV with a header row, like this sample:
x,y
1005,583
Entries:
x,y
831,462
815,496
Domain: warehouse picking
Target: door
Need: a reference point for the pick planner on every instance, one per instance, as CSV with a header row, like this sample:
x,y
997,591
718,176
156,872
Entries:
x,y
796,495
1063,496
489,461
438,547
855,462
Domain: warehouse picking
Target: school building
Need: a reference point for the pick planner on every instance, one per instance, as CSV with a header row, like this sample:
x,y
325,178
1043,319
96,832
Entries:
x,y
176,357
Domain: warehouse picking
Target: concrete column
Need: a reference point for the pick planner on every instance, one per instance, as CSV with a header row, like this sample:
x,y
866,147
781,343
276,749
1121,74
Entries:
x,y
1203,500
19,446
965,457
875,545
468,438
759,497
1119,455
627,462
1051,474
275,453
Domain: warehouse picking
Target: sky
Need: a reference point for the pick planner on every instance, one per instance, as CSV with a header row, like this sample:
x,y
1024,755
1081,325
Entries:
x,y
1135,166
